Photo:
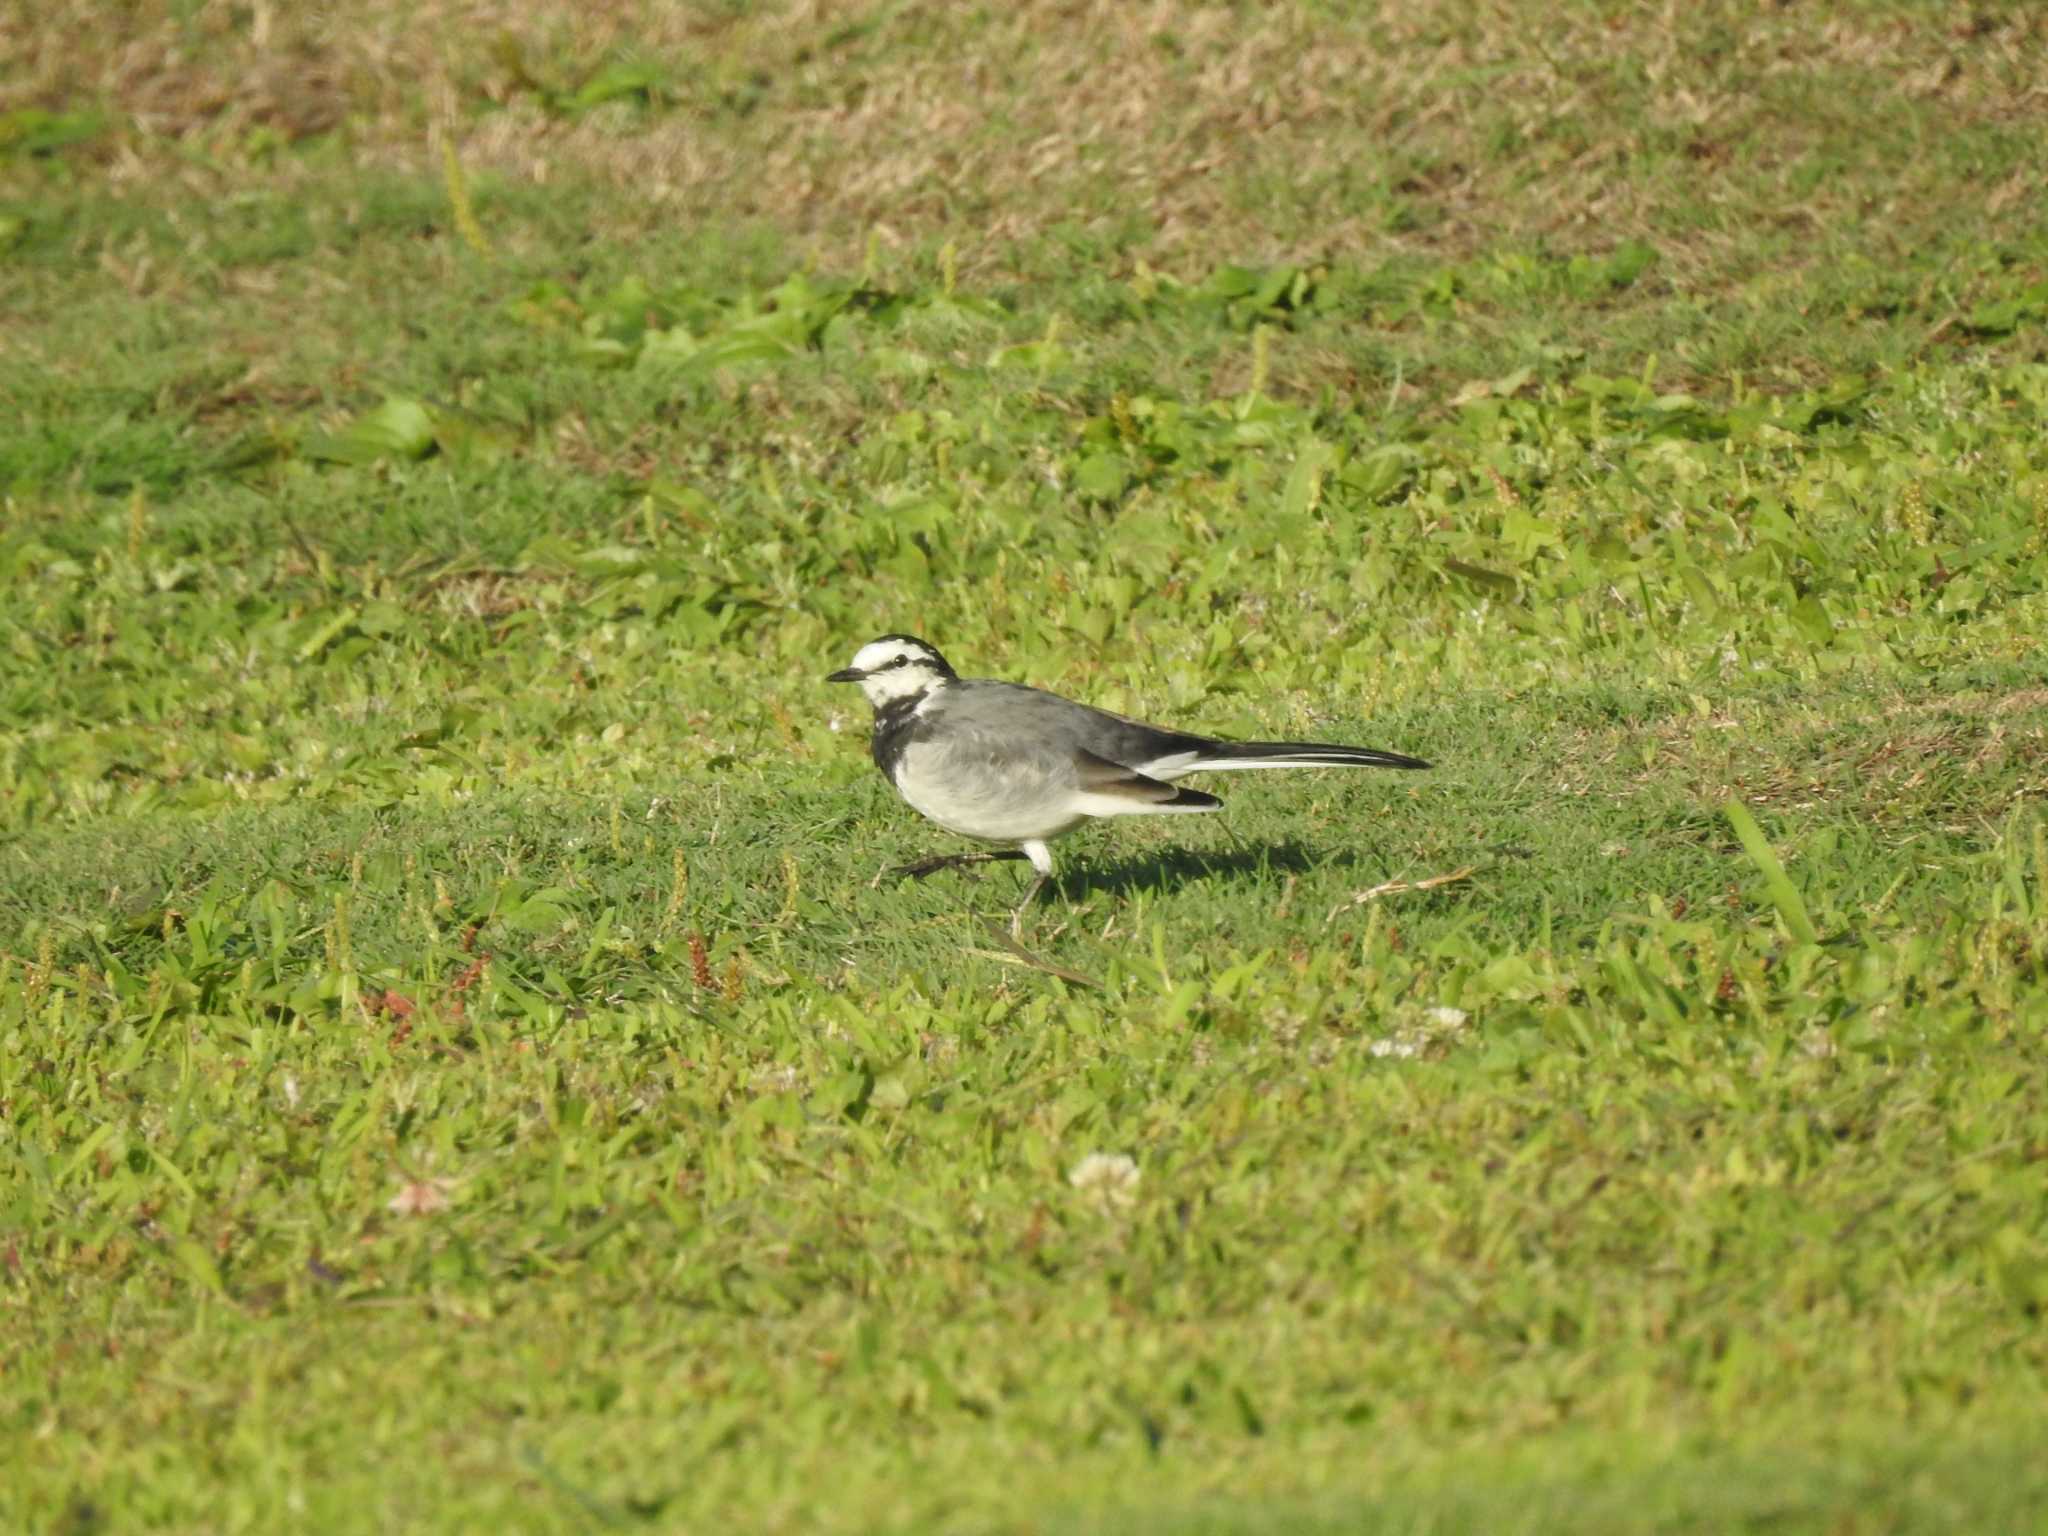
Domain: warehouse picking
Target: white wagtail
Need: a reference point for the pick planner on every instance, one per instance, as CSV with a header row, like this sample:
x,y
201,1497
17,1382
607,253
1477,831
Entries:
x,y
1011,764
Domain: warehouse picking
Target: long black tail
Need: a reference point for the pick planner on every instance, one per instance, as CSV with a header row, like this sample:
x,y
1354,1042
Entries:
x,y
1225,755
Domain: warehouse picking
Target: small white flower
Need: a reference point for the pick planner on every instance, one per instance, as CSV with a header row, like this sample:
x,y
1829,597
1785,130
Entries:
x,y
290,1085
1447,1018
1396,1046
1110,1178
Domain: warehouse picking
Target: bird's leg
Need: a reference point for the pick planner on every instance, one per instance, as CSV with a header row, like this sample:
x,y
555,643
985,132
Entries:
x,y
1040,856
1017,917
937,862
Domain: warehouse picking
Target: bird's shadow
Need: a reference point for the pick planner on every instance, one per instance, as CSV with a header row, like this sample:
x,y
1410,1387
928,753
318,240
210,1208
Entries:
x,y
1178,866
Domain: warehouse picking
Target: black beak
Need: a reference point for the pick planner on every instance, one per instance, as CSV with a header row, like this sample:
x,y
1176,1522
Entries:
x,y
846,675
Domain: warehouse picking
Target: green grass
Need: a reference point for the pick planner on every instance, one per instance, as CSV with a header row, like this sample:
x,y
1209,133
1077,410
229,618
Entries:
x,y
455,1067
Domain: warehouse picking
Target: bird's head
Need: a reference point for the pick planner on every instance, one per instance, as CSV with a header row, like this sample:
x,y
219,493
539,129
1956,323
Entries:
x,y
895,667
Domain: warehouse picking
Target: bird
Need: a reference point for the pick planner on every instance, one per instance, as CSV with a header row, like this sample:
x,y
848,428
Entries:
x,y
1006,763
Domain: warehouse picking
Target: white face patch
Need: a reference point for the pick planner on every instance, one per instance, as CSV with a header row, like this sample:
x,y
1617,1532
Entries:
x,y
897,669
877,654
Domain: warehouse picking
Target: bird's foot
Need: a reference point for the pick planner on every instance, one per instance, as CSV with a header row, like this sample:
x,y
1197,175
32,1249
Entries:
x,y
937,862
1017,917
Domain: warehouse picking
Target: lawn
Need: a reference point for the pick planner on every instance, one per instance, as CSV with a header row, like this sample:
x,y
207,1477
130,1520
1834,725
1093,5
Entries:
x,y
458,1067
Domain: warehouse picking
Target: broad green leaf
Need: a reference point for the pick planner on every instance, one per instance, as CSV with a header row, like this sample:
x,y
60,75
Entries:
x,y
1304,489
627,78
400,428
1479,575
1102,476
1784,896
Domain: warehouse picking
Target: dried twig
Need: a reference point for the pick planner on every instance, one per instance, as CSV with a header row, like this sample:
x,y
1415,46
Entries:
x,y
1395,888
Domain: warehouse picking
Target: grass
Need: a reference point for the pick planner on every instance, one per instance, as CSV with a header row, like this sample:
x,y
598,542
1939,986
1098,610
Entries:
x,y
454,1066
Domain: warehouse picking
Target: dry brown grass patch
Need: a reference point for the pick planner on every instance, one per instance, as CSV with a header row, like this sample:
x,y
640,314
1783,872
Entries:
x,y
1955,756
1295,131
473,594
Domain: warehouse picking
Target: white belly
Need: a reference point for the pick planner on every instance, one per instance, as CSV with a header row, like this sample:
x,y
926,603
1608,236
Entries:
x,y
1003,798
